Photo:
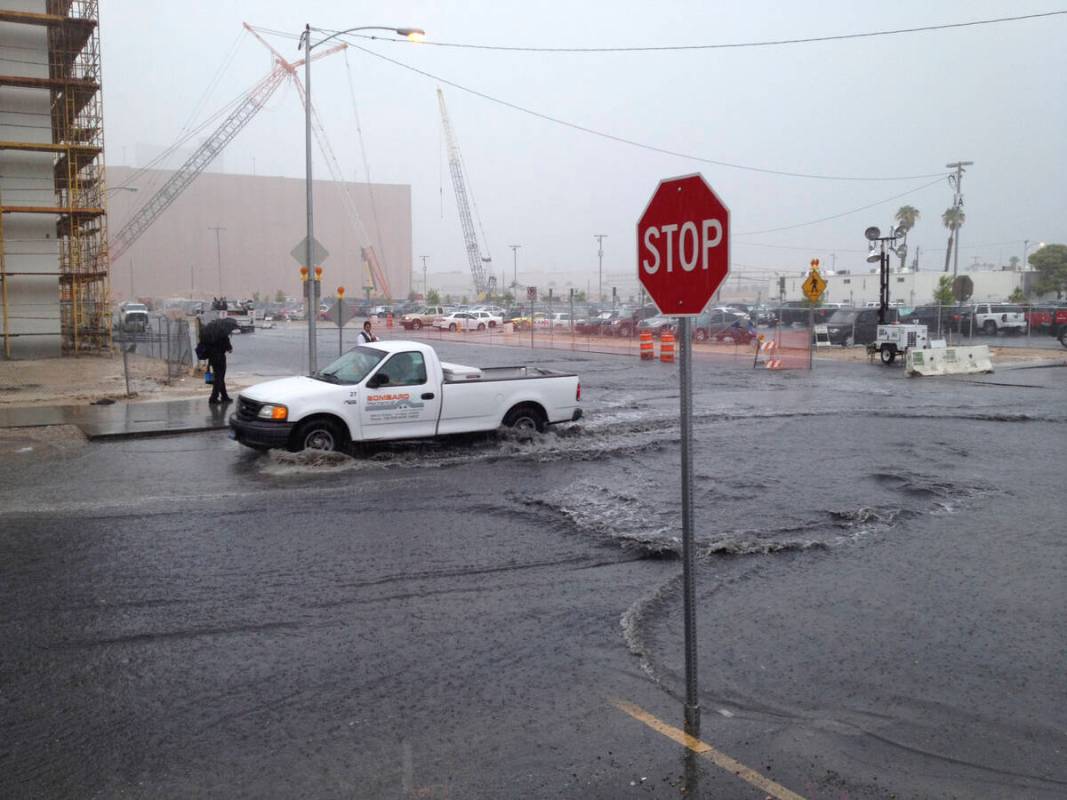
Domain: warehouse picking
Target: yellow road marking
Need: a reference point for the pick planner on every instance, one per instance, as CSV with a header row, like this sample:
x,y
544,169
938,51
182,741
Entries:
x,y
705,750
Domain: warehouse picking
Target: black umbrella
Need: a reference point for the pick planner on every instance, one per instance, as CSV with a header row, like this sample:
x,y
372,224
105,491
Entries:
x,y
217,330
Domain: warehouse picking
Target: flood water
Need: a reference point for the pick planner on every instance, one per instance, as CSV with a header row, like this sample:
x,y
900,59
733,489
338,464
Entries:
x,y
880,597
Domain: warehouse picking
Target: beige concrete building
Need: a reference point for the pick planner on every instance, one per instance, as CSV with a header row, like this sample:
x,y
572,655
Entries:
x,y
260,220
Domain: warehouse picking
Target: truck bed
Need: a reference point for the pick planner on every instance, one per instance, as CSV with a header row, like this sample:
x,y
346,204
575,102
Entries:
x,y
458,373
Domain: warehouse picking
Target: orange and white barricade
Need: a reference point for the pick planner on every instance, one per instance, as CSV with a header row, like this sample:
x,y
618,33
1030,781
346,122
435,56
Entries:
x,y
768,350
666,348
648,349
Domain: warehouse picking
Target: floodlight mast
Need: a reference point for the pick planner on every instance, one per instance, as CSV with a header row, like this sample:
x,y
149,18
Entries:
x,y
881,255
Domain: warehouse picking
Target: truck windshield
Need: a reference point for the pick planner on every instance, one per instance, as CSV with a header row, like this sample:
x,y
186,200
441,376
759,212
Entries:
x,y
353,366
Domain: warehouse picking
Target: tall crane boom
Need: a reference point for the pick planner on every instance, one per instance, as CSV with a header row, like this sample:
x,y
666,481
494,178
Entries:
x,y
197,163
178,182
470,237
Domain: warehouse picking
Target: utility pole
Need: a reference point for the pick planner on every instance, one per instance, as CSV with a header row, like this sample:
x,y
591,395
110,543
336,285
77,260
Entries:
x,y
956,182
192,280
600,237
218,253
515,265
425,281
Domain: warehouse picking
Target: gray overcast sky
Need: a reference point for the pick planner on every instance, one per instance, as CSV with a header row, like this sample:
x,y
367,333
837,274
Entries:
x,y
898,105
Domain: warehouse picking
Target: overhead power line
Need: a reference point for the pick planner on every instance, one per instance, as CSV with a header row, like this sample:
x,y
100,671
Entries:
x,y
641,145
843,213
722,45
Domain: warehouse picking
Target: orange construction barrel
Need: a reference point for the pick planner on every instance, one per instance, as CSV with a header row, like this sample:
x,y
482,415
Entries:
x,y
648,351
388,320
666,348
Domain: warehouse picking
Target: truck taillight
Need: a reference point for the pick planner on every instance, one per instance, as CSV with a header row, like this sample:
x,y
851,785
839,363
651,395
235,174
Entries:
x,y
578,393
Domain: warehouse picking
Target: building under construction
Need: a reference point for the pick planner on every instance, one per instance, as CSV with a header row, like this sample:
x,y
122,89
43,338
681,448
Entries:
x,y
53,231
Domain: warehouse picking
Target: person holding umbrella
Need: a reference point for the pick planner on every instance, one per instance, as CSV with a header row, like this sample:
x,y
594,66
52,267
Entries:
x,y
214,345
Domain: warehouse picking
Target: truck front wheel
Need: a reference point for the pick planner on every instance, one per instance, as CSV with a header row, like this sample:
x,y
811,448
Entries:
x,y
889,354
319,434
526,420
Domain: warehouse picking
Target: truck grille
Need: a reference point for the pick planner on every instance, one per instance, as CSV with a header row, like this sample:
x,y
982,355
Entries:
x,y
247,409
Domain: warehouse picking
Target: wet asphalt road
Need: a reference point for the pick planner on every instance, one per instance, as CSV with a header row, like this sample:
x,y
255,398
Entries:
x,y
880,585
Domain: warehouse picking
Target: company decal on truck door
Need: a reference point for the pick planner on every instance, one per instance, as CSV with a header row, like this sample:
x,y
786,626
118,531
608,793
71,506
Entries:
x,y
390,407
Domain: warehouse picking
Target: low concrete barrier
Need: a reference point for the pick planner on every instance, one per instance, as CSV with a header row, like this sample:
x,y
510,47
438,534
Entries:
x,y
949,361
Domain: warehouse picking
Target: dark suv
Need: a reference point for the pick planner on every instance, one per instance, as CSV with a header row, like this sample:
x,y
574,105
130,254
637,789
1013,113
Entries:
x,y
857,325
626,324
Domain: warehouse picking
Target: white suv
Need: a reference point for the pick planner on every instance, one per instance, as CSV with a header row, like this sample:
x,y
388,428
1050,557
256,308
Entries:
x,y
993,317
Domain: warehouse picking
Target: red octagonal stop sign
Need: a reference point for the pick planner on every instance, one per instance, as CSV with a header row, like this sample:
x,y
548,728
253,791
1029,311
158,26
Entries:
x,y
683,245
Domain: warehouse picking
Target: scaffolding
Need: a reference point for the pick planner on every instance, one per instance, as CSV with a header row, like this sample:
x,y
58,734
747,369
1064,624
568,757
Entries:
x,y
77,146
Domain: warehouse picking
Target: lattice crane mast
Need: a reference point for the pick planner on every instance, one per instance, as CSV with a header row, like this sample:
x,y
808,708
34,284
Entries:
x,y
177,183
470,237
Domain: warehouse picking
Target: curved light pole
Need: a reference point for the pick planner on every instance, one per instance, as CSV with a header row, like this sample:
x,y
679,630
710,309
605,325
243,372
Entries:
x,y
308,45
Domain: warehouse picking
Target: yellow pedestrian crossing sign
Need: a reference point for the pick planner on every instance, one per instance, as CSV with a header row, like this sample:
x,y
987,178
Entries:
x,y
815,284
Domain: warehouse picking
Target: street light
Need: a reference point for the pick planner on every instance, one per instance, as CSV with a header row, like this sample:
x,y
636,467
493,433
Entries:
x,y
1026,246
515,265
415,34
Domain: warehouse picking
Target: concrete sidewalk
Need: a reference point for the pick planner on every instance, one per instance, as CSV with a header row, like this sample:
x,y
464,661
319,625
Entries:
x,y
124,420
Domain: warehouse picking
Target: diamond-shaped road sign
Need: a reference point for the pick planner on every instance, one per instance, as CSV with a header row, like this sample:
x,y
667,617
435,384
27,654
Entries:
x,y
814,285
683,245
318,253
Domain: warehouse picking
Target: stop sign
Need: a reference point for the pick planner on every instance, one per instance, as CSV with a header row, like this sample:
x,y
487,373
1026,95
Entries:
x,y
683,245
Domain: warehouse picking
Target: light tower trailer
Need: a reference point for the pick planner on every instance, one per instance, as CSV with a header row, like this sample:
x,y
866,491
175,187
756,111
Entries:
x,y
898,339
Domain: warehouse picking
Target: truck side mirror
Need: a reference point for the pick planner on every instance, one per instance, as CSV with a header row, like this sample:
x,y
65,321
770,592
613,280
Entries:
x,y
380,379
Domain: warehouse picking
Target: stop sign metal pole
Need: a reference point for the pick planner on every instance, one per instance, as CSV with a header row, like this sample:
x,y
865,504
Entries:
x,y
683,258
692,696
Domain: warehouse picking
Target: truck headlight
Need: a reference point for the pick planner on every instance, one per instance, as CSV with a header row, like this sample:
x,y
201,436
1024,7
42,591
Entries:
x,y
276,413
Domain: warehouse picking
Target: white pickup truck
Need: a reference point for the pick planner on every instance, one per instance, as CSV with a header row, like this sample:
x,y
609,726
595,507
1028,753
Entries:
x,y
399,390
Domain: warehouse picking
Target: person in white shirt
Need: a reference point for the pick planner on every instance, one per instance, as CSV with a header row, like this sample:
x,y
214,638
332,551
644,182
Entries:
x,y
365,335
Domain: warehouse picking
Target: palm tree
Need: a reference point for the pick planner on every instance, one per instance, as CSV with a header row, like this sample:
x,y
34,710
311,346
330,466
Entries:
x,y
952,219
906,216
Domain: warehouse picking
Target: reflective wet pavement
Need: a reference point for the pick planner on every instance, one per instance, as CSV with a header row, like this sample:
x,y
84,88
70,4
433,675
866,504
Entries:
x,y
880,588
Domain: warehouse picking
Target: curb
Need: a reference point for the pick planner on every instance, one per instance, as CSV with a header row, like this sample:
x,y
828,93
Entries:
x,y
145,434
1062,362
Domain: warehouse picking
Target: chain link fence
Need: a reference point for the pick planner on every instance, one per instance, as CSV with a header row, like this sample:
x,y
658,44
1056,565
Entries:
x,y
168,340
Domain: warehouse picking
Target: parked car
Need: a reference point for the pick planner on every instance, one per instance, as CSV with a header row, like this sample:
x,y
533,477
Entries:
x,y
840,326
626,324
763,315
1051,319
991,318
594,326
714,321
461,320
940,320
739,332
133,317
657,325
850,326
422,318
